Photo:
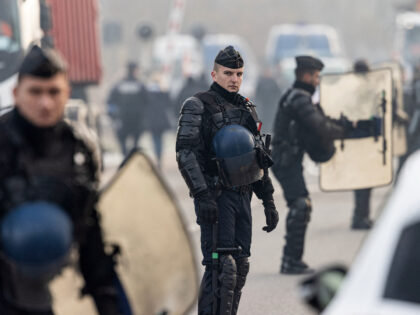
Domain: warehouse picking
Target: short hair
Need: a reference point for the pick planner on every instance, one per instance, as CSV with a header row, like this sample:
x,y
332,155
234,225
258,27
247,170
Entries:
x,y
216,66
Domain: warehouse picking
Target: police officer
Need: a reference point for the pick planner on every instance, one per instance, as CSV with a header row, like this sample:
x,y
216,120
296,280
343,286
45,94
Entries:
x,y
46,159
127,106
301,126
222,188
361,220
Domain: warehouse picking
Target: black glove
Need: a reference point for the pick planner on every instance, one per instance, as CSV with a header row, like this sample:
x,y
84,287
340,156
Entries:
x,y
207,208
371,127
271,215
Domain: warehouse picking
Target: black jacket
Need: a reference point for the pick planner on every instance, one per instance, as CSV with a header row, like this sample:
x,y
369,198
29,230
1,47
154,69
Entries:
x,y
59,165
302,126
201,117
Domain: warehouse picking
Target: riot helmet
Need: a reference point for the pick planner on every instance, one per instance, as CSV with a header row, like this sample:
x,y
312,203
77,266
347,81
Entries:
x,y
236,156
36,238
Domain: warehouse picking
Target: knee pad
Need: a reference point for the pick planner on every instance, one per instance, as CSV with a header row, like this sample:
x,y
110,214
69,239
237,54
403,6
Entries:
x,y
300,211
242,269
227,273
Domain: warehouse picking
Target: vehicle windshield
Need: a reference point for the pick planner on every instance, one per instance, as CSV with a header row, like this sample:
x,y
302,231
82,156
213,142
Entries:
x,y
290,45
9,26
412,44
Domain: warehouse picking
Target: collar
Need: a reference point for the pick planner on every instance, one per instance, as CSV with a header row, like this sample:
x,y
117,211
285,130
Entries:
x,y
231,97
34,134
304,86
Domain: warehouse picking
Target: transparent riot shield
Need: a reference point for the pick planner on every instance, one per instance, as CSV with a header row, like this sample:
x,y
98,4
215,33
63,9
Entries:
x,y
364,159
399,130
157,266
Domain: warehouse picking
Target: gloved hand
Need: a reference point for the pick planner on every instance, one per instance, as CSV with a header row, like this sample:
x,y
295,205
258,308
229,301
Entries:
x,y
372,127
207,208
271,215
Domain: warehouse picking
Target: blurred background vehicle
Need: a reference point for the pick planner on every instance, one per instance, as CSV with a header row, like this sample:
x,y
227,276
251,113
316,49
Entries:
x,y
385,277
20,25
179,56
407,41
285,41
213,43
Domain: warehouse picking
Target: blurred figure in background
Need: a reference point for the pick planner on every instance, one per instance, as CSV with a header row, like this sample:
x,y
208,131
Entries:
x,y
127,106
361,212
192,85
267,95
159,117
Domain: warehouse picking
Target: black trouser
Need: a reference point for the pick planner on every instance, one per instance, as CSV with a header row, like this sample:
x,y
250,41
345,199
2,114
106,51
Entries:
x,y
235,229
361,204
124,133
294,190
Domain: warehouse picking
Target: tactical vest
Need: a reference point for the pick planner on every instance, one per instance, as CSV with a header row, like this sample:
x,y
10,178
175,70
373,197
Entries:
x,y
219,113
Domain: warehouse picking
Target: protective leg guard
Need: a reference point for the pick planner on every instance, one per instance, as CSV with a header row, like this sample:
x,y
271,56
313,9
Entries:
x,y
227,281
242,269
296,223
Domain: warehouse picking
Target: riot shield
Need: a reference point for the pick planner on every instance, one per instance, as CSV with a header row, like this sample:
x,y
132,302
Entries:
x,y
364,159
140,215
399,130
156,262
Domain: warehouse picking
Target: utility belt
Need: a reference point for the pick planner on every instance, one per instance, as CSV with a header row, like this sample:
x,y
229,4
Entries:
x,y
216,187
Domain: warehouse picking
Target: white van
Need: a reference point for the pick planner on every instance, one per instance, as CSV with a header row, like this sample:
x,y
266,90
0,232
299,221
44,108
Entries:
x,y
179,56
285,41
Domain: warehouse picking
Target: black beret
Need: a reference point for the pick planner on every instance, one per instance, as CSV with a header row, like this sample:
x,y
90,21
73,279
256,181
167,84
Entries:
x,y
230,58
44,63
360,66
309,63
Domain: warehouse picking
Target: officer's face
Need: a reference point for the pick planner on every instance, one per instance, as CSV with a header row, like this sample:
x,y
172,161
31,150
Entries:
x,y
42,101
314,78
227,78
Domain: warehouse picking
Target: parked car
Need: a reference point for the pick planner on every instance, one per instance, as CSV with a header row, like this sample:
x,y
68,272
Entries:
x,y
213,43
285,41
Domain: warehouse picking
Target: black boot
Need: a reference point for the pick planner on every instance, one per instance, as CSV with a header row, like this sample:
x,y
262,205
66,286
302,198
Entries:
x,y
291,266
296,224
361,219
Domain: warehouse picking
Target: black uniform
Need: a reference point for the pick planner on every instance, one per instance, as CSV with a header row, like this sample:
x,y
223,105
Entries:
x,y
300,126
201,117
128,100
58,165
